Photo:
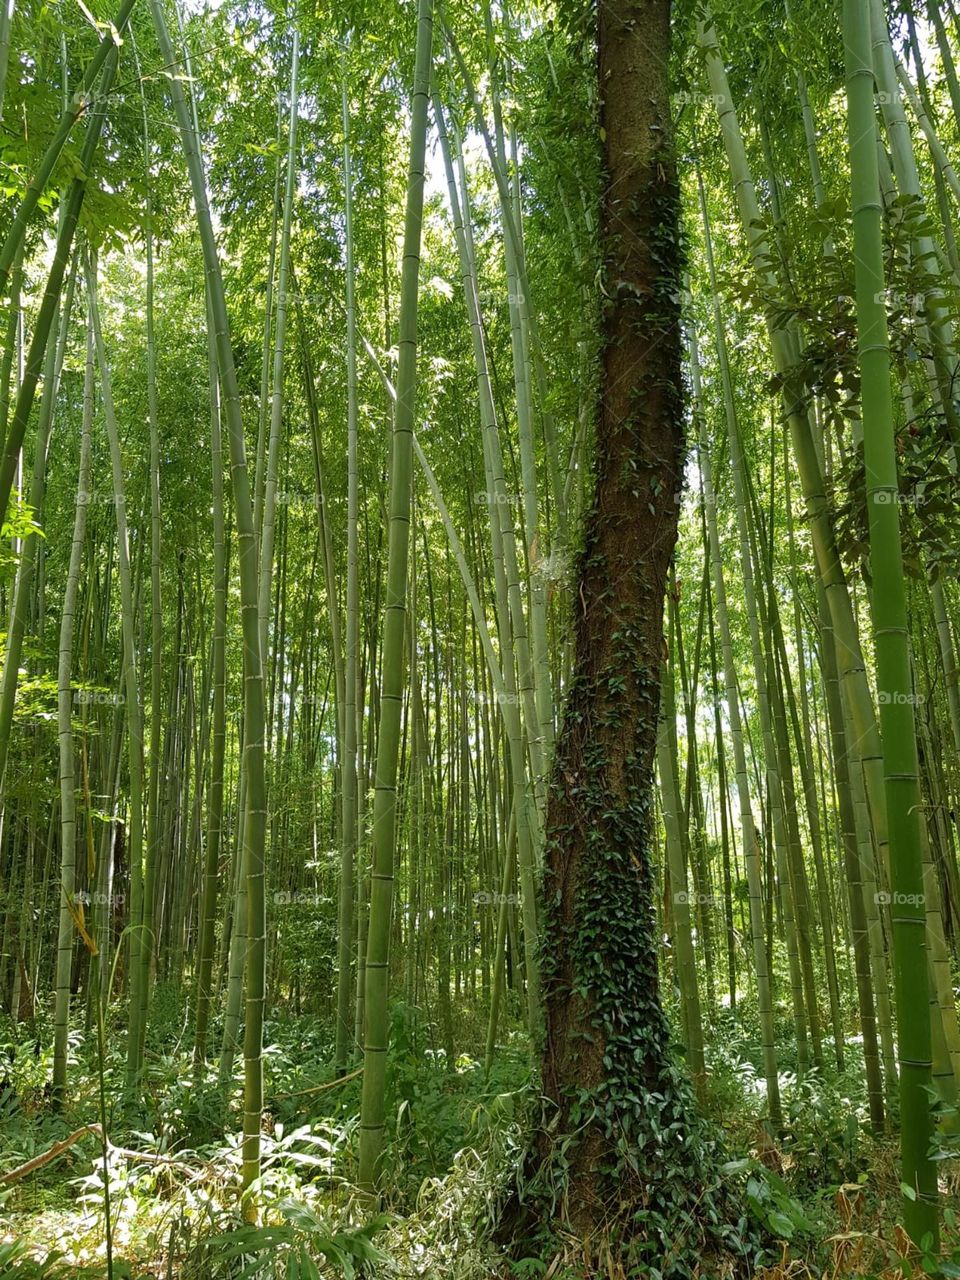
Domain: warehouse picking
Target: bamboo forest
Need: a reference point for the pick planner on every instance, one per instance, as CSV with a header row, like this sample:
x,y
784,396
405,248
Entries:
x,y
479,633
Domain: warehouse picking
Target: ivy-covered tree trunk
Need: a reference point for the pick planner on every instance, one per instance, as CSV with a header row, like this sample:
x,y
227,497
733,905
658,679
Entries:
x,y
622,1148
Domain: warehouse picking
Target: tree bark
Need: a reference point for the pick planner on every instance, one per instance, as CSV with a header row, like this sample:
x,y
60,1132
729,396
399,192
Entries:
x,y
622,1165
602,983
605,1030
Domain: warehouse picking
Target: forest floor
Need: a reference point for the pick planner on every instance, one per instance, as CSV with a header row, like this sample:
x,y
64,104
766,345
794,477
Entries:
x,y
827,1188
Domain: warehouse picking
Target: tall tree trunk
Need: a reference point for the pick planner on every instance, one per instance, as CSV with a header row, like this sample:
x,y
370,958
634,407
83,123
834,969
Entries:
x,y
608,1076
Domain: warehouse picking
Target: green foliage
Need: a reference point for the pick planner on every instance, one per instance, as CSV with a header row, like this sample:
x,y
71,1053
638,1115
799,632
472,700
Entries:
x,y
179,1199
17,1263
772,1202
435,1108
289,1251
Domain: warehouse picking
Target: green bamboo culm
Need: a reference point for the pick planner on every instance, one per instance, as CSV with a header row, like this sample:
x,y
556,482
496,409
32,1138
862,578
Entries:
x,y
254,819
6,22
685,962
207,938
215,818
23,591
345,980
68,821
131,694
891,638
376,1034
267,529
152,827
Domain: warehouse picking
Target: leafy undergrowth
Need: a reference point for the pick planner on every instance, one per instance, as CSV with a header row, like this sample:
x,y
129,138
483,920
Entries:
x,y
825,1188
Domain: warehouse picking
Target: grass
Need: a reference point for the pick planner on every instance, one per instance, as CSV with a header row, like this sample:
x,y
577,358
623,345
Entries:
x,y
826,1187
